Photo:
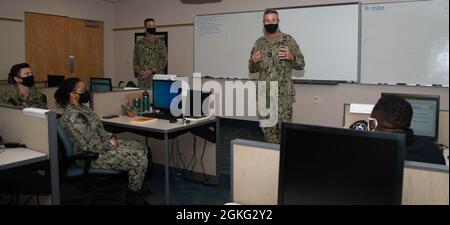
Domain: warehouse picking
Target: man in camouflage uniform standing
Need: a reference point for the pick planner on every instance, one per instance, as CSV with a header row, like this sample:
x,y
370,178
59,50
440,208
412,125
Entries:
x,y
274,56
23,94
87,134
150,56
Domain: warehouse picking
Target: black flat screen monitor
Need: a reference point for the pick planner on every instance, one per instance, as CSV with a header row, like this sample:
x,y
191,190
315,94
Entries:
x,y
54,80
334,166
194,104
100,84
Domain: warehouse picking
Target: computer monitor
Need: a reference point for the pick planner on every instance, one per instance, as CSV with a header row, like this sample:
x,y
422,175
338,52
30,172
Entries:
x,y
195,108
336,166
162,97
425,121
100,84
54,80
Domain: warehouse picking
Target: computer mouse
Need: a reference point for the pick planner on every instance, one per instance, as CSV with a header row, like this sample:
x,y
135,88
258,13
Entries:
x,y
173,120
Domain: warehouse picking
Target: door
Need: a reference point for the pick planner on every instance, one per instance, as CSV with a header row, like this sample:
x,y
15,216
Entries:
x,y
86,48
46,44
59,45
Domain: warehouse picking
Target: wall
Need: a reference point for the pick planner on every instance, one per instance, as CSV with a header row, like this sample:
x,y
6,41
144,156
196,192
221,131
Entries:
x,y
12,38
119,45
328,110
132,14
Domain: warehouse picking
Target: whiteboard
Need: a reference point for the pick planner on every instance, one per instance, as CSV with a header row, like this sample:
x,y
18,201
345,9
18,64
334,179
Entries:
x,y
327,35
223,42
405,42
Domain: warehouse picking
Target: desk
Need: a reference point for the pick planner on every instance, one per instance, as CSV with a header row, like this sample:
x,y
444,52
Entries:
x,y
25,172
161,129
15,157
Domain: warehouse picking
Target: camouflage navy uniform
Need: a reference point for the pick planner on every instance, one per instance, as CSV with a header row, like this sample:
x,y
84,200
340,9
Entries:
x,y
13,97
270,68
149,54
85,130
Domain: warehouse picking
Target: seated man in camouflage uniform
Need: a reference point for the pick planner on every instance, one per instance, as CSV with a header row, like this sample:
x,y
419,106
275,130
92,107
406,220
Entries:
x,y
24,93
86,132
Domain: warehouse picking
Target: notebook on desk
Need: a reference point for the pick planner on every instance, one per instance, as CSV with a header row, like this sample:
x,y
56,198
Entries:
x,y
143,120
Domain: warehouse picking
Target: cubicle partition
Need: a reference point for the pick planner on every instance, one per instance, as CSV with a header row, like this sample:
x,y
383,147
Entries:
x,y
38,133
425,184
107,103
255,167
48,91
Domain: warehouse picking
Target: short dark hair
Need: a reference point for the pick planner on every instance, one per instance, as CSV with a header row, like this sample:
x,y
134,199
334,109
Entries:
x,y
15,70
270,11
147,20
393,112
63,92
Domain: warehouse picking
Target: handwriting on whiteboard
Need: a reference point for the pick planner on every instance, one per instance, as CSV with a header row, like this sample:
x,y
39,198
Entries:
x,y
209,25
374,7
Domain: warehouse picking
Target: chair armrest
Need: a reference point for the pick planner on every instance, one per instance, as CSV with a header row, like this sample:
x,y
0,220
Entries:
x,y
88,157
84,156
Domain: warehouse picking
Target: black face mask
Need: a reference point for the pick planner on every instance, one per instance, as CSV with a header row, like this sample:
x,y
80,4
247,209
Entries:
x,y
85,97
151,31
28,81
271,28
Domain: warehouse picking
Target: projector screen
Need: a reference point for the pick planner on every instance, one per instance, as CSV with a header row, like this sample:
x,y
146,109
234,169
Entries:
x,y
405,42
327,35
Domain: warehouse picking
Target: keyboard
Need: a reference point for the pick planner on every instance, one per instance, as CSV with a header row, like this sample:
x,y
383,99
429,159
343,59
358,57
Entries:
x,y
163,116
195,117
198,118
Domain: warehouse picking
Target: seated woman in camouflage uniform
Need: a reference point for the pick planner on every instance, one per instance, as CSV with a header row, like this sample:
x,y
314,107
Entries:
x,y
86,132
24,93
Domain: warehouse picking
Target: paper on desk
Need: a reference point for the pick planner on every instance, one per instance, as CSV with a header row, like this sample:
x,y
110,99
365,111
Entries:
x,y
40,113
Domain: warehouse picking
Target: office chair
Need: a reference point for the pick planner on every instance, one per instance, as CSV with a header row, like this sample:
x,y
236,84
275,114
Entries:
x,y
72,171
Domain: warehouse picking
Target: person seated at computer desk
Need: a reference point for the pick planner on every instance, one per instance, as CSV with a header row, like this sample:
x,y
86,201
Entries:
x,y
86,132
394,114
24,93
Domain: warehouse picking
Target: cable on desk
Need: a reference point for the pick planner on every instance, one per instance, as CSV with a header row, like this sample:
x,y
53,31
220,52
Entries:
x,y
201,162
180,158
193,157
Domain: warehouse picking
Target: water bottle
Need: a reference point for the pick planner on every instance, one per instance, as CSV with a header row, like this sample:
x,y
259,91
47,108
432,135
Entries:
x,y
145,101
